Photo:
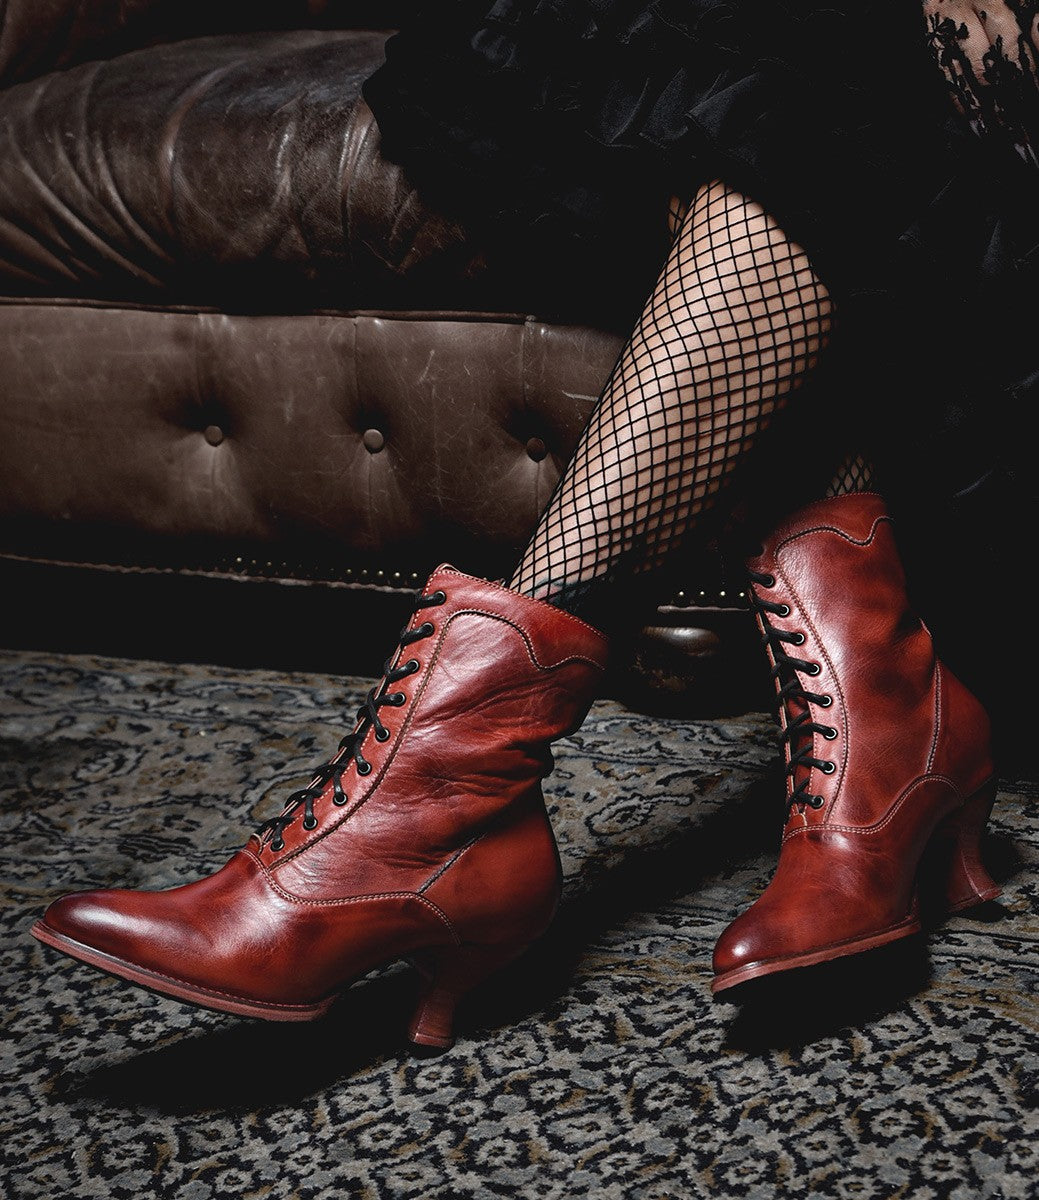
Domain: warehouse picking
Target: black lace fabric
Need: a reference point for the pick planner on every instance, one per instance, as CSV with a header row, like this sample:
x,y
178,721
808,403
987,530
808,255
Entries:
x,y
991,61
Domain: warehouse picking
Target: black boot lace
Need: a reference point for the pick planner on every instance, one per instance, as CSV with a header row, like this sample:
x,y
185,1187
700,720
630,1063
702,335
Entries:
x,y
800,728
350,746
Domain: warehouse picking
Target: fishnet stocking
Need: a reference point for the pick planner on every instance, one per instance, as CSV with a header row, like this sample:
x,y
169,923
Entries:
x,y
737,318
855,474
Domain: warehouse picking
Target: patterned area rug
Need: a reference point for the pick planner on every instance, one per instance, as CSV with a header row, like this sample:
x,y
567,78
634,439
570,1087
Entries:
x,y
598,1066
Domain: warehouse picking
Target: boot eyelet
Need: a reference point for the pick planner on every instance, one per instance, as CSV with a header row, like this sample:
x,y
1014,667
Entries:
x,y
364,768
824,701
768,581
425,629
816,802
309,825
339,801
813,669
382,735
278,845
438,597
829,733
784,610
396,699
798,639
829,768
412,665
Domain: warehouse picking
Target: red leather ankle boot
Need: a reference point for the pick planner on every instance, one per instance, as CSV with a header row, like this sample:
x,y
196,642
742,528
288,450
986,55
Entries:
x,y
425,837
886,750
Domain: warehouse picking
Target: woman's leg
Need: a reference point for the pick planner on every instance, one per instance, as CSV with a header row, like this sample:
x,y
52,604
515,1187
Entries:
x,y
736,321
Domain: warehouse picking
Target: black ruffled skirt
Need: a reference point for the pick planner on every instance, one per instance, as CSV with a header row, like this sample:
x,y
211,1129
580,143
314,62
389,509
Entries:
x,y
569,122
562,126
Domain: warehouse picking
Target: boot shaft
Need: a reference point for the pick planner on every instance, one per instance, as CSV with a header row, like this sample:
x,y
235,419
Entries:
x,y
496,677
866,663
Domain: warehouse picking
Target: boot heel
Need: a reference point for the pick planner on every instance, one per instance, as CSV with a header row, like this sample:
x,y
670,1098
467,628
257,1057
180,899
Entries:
x,y
450,973
967,883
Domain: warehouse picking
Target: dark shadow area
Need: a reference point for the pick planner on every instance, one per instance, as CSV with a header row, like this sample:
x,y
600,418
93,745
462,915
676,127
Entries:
x,y
244,1065
246,623
267,624
792,1009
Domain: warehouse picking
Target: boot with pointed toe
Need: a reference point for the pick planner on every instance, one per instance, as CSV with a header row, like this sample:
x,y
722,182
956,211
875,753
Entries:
x,y
887,752
425,837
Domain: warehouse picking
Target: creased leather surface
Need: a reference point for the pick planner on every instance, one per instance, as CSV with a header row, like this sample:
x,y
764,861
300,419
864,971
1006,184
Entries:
x,y
228,171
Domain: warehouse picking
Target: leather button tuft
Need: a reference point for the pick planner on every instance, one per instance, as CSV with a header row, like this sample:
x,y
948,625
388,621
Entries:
x,y
537,449
373,441
213,434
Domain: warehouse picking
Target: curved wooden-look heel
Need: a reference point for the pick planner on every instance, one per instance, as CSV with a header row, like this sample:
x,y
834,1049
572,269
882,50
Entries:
x,y
967,882
450,973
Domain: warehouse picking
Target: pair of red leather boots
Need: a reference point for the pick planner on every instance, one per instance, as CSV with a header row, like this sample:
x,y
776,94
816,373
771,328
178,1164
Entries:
x,y
426,837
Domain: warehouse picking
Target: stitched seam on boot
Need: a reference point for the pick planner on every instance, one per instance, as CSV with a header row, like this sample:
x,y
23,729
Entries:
x,y
343,901
869,830
529,599
450,862
938,688
867,541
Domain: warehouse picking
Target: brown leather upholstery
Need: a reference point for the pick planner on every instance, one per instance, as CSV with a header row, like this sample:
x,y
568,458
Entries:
x,y
388,434
228,172
233,330
234,339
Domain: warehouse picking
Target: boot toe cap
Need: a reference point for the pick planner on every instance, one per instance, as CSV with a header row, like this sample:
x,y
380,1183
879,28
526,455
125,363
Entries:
x,y
741,945
98,919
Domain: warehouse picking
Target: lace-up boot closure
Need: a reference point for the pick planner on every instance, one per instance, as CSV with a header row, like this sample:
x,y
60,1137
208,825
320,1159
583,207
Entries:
x,y
886,751
425,837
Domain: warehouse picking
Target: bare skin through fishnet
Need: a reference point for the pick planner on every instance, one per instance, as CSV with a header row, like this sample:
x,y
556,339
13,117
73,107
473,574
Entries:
x,y
855,474
736,320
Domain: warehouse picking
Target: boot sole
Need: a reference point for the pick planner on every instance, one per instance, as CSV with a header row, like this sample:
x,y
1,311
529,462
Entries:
x,y
771,966
165,985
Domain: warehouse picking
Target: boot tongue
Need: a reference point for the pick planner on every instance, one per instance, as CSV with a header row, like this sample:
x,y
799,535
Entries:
x,y
798,709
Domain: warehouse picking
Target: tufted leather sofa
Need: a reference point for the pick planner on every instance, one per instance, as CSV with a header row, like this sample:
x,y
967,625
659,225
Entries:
x,y
235,343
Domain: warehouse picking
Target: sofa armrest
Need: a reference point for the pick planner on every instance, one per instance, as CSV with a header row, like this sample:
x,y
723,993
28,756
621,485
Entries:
x,y
38,36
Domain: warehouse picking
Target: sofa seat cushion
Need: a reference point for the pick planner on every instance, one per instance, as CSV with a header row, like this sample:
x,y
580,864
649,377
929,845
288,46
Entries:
x,y
187,439
238,172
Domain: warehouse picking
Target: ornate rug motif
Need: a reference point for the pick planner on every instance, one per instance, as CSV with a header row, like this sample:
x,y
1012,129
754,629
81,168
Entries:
x,y
597,1066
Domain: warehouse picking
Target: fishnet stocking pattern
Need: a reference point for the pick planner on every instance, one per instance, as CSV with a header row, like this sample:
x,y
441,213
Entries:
x,y
855,474
736,320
